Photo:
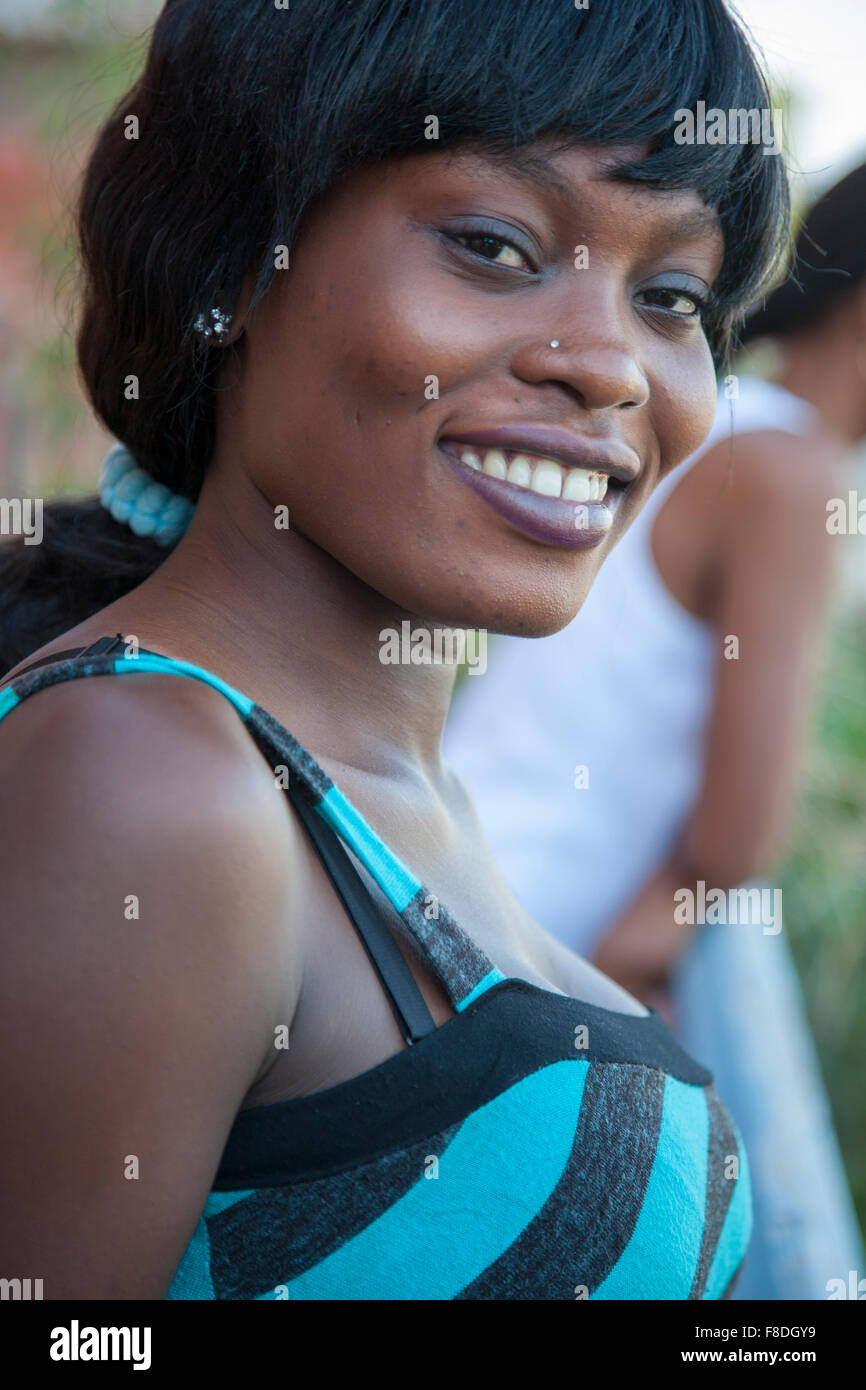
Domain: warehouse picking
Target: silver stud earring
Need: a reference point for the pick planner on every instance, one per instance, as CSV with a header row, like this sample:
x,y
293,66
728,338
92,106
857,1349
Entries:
x,y
554,342
216,328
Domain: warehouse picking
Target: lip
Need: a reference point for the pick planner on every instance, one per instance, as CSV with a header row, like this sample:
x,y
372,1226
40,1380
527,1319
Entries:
x,y
550,520
595,453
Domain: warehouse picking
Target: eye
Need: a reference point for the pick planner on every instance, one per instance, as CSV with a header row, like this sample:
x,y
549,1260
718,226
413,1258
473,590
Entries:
x,y
677,301
493,248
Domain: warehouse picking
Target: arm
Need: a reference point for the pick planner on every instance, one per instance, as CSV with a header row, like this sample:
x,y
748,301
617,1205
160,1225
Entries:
x,y
776,567
129,1040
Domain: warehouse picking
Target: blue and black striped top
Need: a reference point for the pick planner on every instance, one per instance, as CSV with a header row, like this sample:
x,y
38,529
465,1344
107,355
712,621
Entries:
x,y
532,1147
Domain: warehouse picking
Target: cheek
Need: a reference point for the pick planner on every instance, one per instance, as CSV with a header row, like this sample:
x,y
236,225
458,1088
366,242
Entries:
x,y
349,376
334,406
685,407
347,361
403,342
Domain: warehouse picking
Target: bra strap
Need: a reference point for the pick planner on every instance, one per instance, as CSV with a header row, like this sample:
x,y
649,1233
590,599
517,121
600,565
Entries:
x,y
101,647
401,988
407,1002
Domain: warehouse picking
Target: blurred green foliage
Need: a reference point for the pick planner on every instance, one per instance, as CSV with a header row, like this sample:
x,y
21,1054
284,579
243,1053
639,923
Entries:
x,y
53,96
64,89
824,884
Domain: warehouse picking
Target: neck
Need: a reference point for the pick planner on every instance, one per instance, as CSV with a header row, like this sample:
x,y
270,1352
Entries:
x,y
299,633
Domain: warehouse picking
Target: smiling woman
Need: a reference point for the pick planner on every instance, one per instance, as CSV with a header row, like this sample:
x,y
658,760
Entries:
x,y
460,367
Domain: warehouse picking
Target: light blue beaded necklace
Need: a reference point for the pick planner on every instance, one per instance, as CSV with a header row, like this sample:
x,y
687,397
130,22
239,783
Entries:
x,y
136,500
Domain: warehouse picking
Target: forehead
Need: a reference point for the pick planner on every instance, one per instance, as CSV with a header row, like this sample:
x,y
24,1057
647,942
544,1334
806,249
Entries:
x,y
571,175
572,189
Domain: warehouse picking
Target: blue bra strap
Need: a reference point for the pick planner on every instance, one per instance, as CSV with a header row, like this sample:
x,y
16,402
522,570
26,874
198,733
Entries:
x,y
407,1002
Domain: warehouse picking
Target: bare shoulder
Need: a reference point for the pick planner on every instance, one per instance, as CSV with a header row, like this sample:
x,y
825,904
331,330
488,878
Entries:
x,y
146,862
143,764
89,720
789,471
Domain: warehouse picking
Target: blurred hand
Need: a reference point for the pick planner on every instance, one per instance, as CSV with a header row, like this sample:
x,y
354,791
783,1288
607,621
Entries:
x,y
641,954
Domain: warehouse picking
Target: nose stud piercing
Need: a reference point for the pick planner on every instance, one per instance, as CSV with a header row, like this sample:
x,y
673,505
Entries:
x,y
554,342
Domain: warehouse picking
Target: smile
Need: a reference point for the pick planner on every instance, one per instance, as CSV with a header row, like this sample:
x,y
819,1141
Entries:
x,y
568,499
538,474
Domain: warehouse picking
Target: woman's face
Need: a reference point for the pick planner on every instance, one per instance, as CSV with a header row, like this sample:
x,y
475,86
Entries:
x,y
398,390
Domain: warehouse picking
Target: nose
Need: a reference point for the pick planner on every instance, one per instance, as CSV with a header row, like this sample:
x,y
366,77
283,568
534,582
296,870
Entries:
x,y
594,360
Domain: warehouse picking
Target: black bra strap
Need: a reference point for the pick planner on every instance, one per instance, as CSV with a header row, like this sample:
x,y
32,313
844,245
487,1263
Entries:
x,y
407,1002
101,647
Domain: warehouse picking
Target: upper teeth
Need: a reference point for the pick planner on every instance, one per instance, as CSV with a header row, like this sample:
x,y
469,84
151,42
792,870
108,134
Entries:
x,y
539,474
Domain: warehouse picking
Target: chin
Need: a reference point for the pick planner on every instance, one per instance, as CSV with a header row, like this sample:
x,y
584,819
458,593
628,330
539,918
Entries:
x,y
536,608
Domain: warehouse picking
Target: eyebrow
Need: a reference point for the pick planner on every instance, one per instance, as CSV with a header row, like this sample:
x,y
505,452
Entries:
x,y
533,168
538,169
700,222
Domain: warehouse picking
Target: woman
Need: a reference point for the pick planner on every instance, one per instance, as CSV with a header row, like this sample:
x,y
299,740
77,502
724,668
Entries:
x,y
300,316
694,655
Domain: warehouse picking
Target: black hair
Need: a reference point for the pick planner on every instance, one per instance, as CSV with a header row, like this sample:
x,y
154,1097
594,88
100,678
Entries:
x,y
246,112
829,261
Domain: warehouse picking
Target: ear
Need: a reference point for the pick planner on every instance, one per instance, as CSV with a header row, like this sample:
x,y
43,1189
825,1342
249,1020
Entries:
x,y
242,309
236,324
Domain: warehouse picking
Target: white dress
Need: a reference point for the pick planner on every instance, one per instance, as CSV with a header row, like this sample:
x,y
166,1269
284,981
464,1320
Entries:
x,y
584,753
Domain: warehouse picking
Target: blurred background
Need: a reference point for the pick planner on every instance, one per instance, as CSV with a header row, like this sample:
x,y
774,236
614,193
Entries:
x,y
63,64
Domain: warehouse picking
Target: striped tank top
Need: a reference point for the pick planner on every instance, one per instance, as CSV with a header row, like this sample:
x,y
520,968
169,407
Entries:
x,y
532,1147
